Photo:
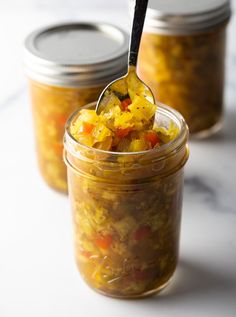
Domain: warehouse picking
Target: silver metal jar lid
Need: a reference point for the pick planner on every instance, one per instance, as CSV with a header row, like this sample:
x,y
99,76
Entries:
x,y
76,54
186,16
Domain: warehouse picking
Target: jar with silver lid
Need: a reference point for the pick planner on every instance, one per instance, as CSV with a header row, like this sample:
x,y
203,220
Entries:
x,y
68,65
182,59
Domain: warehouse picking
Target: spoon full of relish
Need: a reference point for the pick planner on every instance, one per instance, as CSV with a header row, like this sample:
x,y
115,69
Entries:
x,y
130,85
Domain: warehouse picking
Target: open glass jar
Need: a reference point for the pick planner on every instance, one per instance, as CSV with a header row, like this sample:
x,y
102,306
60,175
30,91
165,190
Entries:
x,y
182,59
127,211
68,65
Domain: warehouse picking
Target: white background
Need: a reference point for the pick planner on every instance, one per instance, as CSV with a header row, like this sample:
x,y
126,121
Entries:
x,y
38,276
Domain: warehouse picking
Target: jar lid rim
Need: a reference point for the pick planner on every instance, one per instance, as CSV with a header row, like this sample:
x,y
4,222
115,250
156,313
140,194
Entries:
x,y
185,7
76,53
165,16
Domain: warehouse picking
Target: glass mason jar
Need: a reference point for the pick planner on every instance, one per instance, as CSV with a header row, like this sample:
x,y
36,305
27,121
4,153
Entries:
x,y
68,66
127,212
182,59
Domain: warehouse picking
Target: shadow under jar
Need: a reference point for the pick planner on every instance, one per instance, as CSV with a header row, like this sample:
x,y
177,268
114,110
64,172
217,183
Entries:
x,y
182,59
68,66
127,212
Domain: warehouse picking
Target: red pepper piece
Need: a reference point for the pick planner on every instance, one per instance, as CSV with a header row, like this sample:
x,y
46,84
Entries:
x,y
142,233
104,242
125,104
121,133
87,127
86,254
140,275
153,138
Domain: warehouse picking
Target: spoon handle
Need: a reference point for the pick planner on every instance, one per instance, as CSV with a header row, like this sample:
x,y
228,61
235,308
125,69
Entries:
x,y
138,22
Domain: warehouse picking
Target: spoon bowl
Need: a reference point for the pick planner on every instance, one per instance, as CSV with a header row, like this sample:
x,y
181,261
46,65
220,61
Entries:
x,y
126,87
120,88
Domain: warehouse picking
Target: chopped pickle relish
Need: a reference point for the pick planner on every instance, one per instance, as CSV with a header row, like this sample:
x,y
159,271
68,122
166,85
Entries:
x,y
126,205
126,124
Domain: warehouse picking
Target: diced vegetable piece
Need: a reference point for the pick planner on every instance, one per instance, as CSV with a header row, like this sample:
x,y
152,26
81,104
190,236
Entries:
x,y
105,145
140,275
101,132
142,109
167,135
86,139
153,138
86,254
88,116
120,86
124,120
138,145
125,104
123,146
109,102
104,242
121,133
88,127
142,233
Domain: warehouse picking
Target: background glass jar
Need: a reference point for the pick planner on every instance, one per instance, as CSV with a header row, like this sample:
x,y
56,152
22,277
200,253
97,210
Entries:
x,y
182,59
68,65
127,212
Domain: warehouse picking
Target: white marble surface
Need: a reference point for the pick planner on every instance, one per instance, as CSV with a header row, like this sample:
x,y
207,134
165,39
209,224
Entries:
x,y
38,276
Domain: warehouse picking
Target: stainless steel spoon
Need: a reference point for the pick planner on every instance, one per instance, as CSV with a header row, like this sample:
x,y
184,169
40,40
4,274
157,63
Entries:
x,y
131,78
